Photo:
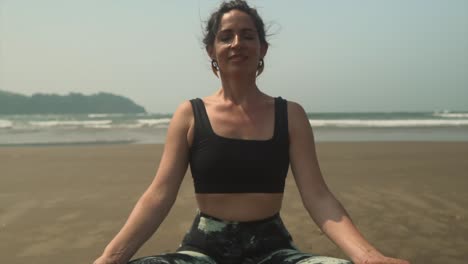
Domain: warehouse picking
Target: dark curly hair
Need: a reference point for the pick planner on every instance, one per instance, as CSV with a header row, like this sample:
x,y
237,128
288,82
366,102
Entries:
x,y
212,26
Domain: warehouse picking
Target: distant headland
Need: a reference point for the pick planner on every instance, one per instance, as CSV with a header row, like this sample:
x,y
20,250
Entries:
x,y
72,103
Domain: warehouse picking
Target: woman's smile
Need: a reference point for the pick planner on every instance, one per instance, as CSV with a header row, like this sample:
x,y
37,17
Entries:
x,y
237,58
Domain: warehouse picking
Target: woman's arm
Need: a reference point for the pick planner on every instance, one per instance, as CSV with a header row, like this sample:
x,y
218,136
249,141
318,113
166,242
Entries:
x,y
157,200
323,207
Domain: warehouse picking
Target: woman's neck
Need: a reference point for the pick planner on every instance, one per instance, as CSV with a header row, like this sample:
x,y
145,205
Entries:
x,y
239,90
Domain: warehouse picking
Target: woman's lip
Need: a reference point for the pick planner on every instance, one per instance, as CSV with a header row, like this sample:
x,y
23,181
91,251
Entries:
x,y
237,57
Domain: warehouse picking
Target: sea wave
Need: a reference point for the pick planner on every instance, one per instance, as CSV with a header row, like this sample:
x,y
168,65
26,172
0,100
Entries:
x,y
5,123
160,122
97,115
73,123
387,123
104,115
451,115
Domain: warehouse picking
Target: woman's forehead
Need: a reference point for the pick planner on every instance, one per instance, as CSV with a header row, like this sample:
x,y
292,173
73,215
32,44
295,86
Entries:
x,y
236,20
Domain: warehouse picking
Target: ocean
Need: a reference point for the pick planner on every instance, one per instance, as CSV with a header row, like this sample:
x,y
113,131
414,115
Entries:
x,y
152,128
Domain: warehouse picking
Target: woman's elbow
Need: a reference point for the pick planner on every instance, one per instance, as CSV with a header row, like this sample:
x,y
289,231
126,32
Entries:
x,y
158,200
313,198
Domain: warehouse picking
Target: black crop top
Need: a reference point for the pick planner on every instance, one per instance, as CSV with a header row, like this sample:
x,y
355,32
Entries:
x,y
226,165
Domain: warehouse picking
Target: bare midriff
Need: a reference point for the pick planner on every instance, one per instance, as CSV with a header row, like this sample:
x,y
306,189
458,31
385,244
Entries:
x,y
240,206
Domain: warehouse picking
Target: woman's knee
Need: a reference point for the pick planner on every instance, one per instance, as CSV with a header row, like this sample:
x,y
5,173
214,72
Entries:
x,y
182,257
292,256
323,260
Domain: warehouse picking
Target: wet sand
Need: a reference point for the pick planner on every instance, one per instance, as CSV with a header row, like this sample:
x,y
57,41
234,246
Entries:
x,y
62,204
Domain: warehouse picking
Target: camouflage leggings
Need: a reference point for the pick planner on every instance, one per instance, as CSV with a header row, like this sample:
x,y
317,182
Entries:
x,y
212,241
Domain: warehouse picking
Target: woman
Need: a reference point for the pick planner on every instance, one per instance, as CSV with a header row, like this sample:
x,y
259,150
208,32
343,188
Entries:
x,y
239,143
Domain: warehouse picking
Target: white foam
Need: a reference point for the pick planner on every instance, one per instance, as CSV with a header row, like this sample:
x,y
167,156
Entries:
x,y
97,115
104,115
387,123
5,123
105,126
55,123
131,126
452,115
154,122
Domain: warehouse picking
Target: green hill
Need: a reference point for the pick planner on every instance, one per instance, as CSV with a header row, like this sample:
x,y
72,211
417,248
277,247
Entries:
x,y
73,103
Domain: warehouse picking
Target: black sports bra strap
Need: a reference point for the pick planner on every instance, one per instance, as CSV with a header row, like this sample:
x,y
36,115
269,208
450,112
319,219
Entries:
x,y
281,119
202,123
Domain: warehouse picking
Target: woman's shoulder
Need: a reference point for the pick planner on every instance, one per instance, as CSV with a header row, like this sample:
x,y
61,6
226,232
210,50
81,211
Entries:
x,y
185,108
184,113
297,116
294,108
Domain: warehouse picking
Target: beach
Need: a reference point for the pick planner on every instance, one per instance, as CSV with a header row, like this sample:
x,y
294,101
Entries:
x,y
63,204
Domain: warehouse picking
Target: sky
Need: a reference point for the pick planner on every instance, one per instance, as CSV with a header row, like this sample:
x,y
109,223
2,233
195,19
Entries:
x,y
327,55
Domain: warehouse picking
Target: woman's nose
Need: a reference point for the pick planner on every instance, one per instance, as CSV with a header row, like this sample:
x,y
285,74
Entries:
x,y
236,42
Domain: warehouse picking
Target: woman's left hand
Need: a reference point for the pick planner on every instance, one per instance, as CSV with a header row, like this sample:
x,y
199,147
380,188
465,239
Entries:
x,y
379,259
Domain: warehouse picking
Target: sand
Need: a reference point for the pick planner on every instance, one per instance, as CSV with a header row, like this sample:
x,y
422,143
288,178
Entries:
x,y
63,204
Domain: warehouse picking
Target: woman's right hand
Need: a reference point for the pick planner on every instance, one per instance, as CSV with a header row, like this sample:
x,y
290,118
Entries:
x,y
107,260
376,257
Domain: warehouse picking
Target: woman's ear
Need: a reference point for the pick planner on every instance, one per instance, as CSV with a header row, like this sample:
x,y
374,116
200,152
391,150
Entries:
x,y
263,50
210,52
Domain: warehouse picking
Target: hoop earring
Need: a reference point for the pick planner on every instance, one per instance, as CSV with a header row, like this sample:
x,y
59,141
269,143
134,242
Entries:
x,y
260,64
214,67
260,67
214,64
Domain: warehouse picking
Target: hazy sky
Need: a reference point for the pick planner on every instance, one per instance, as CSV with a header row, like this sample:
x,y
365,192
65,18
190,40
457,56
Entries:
x,y
329,55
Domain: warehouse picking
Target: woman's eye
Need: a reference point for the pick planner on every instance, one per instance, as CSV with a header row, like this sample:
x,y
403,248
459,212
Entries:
x,y
225,38
229,38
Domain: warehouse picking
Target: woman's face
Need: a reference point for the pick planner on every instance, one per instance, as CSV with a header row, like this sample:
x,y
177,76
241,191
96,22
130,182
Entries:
x,y
237,48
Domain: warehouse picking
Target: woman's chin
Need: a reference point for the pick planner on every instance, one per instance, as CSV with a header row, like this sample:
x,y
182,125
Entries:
x,y
239,71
